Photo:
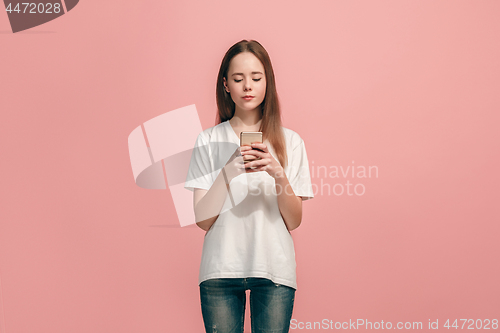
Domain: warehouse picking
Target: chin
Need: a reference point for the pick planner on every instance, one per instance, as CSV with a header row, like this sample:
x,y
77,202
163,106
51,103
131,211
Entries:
x,y
248,109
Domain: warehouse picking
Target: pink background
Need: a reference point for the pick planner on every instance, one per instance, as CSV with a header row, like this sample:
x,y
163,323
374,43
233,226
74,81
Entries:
x,y
411,87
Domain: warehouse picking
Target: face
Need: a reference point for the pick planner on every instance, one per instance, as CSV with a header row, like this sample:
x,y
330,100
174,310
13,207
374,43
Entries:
x,y
246,76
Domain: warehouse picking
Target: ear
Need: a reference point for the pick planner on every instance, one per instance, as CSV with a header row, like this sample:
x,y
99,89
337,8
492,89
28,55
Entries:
x,y
225,84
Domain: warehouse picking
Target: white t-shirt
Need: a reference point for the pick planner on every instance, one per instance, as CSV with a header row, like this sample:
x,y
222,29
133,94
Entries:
x,y
249,238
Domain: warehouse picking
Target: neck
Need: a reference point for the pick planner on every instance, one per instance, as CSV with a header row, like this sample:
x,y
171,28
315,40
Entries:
x,y
242,118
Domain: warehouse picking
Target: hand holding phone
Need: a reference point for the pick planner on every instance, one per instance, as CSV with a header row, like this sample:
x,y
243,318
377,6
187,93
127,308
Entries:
x,y
246,139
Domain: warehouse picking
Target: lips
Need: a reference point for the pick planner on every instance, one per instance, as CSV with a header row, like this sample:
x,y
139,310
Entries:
x,y
247,97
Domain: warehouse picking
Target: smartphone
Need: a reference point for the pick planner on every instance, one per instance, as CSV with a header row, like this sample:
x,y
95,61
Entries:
x,y
247,138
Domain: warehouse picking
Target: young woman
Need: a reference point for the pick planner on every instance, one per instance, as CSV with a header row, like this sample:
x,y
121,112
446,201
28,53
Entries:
x,y
247,205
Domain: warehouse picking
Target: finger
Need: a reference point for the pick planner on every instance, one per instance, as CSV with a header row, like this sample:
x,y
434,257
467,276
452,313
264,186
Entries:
x,y
256,163
255,151
249,158
244,148
256,169
260,146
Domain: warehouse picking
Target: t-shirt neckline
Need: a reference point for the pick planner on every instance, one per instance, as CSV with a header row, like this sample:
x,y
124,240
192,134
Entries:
x,y
234,135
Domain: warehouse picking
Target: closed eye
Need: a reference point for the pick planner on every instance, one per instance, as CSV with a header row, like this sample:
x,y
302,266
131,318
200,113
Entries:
x,y
256,80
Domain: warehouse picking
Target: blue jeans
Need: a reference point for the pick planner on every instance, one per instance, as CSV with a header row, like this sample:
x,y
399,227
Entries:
x,y
223,305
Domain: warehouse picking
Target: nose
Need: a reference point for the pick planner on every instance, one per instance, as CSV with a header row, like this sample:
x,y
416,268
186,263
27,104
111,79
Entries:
x,y
248,85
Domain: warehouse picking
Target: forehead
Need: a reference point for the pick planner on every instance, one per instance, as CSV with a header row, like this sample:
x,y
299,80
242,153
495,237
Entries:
x,y
245,62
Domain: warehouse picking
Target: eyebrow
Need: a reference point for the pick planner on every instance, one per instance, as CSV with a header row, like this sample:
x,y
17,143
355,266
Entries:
x,y
242,73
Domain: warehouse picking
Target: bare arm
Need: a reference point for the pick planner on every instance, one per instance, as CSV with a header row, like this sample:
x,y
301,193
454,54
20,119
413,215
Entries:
x,y
289,204
208,203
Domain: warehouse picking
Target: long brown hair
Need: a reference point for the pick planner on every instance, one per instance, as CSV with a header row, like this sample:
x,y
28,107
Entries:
x,y
270,126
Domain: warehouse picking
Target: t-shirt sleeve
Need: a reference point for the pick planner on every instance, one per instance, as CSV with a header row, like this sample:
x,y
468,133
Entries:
x,y
199,174
299,176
